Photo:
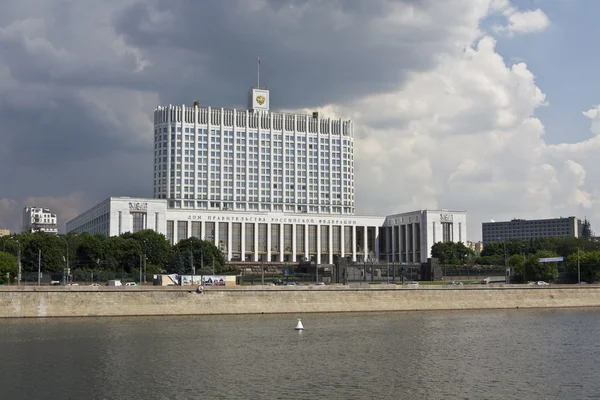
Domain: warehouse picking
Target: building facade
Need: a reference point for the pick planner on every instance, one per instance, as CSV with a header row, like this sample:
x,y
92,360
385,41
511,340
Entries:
x,y
117,215
281,237
253,160
4,232
530,229
37,219
265,186
408,237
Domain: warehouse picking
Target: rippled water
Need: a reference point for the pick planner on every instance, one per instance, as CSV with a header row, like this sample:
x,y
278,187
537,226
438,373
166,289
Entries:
x,y
517,354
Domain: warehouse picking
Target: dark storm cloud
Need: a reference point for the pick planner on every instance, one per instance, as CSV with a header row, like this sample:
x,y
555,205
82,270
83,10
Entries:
x,y
79,80
312,53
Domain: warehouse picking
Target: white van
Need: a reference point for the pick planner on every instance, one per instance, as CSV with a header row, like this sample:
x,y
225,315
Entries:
x,y
114,282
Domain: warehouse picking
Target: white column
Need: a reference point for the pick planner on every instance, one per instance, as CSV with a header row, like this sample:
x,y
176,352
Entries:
x,y
229,241
255,241
294,242
414,230
330,231
354,243
243,234
366,238
189,229
175,232
281,243
392,244
217,234
406,242
318,244
268,242
306,255
342,242
377,237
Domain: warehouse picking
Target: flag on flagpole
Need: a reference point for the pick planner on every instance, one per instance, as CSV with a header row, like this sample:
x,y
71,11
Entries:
x,y
258,59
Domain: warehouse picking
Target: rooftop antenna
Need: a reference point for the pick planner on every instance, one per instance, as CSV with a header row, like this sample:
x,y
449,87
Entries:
x,y
257,72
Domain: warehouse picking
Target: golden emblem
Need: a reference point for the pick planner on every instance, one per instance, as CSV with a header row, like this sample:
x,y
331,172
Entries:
x,y
260,100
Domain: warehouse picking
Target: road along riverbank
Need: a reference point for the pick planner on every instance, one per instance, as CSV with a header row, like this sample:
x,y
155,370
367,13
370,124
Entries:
x,y
147,301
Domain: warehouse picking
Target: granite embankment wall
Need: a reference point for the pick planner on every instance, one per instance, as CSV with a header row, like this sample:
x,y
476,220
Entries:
x,y
101,301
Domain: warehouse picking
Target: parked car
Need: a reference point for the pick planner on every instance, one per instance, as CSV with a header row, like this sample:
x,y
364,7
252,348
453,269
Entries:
x,y
131,284
542,283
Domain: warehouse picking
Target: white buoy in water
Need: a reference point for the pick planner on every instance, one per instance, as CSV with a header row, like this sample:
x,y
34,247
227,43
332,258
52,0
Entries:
x,y
299,326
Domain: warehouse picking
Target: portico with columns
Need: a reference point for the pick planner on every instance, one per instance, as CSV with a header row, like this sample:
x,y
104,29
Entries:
x,y
279,238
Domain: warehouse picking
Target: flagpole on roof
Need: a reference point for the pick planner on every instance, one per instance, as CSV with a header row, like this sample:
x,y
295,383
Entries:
x,y
257,72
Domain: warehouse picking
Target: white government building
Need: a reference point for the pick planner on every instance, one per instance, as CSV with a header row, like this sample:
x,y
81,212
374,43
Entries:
x,y
265,186
38,219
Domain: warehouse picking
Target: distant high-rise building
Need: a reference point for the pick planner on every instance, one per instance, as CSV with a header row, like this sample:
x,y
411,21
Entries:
x,y
256,160
37,219
530,229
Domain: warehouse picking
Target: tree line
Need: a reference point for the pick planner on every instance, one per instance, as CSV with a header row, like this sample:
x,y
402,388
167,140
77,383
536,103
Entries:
x,y
523,257
87,255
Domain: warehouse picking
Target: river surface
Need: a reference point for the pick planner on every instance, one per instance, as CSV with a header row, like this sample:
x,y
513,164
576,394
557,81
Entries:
x,y
516,354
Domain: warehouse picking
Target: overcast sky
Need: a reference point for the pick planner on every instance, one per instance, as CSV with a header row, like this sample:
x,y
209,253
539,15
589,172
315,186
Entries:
x,y
483,105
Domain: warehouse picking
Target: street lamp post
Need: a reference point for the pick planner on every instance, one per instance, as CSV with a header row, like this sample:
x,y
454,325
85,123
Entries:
x,y
39,267
578,268
141,255
192,258
145,258
18,263
66,260
18,259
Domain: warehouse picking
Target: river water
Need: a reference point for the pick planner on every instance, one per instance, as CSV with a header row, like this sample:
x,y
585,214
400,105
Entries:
x,y
516,354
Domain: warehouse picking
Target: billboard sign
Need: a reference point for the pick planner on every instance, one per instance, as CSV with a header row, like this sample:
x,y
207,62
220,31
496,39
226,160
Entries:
x,y
213,280
551,259
189,280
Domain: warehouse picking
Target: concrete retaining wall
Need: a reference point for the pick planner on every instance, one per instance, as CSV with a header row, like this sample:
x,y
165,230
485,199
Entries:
x,y
94,301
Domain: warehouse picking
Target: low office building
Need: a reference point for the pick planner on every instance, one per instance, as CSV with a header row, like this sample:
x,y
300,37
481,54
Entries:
x,y
4,232
281,237
37,219
530,229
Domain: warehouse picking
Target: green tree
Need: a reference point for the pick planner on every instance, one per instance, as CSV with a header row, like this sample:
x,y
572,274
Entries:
x,y
53,251
205,254
534,270
177,264
444,252
121,255
154,245
89,251
450,253
517,263
8,265
589,265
